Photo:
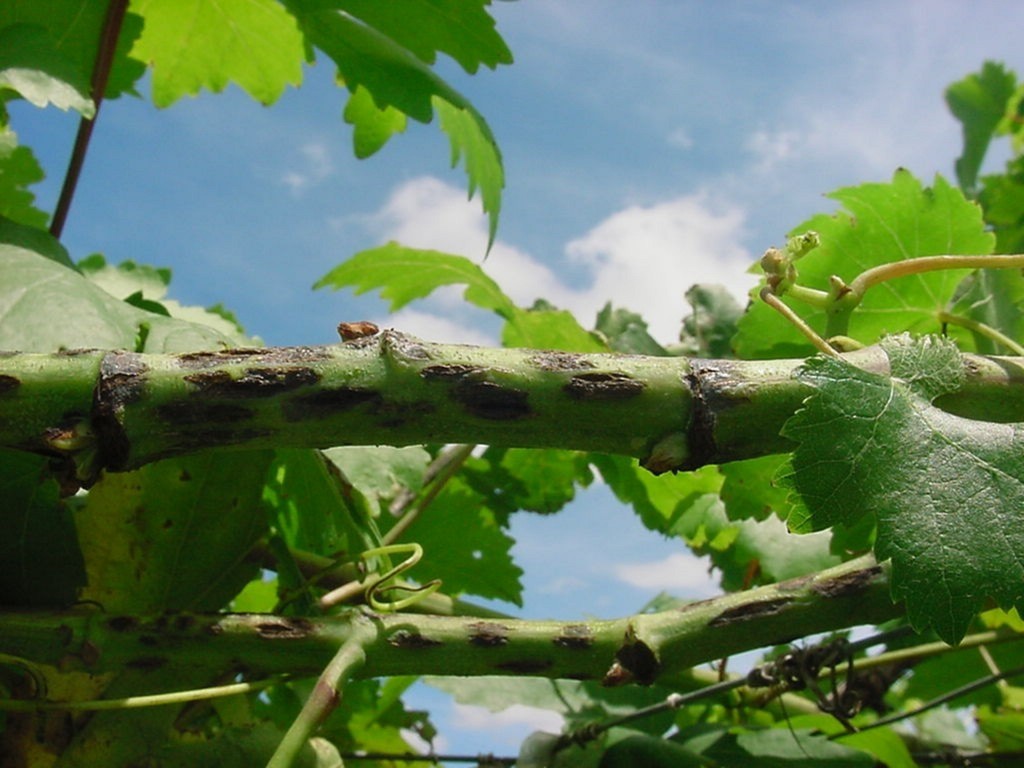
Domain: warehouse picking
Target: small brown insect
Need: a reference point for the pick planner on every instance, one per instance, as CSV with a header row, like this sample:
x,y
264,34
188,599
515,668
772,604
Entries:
x,y
358,330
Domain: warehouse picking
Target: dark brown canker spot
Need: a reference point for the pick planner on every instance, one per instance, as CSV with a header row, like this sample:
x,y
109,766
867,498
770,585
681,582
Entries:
x,y
750,611
559,361
487,634
255,382
409,639
326,402
185,412
488,400
450,371
848,584
272,356
575,636
8,383
603,386
122,381
285,629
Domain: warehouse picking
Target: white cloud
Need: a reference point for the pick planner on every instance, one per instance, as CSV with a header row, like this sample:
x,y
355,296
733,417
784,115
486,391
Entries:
x,y
770,148
642,257
646,257
679,572
507,726
315,166
680,139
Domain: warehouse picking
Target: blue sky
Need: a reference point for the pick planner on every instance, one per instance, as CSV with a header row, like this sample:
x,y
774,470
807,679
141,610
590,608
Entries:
x,y
647,146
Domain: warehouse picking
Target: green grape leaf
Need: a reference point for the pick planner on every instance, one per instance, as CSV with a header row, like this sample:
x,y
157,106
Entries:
x,y
708,329
369,58
374,717
471,140
73,28
32,65
936,676
749,489
786,748
749,552
884,744
1002,196
196,44
1004,730
548,329
372,126
145,287
40,561
126,278
993,297
463,30
626,332
536,480
45,306
659,500
174,535
579,702
979,102
879,223
309,509
464,546
405,274
651,752
945,491
19,169
380,472
38,241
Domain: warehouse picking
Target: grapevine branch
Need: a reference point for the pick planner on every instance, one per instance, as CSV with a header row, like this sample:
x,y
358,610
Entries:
x,y
645,648
119,410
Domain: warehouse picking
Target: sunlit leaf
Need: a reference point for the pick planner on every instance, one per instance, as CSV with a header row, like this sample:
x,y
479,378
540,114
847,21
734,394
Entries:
x,y
878,224
404,274
372,126
196,44
19,169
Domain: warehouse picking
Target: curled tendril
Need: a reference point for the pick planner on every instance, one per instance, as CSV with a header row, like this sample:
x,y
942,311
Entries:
x,y
387,581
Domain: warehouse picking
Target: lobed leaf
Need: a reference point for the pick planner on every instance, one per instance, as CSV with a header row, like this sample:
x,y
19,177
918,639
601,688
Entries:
x,y
45,306
73,27
404,274
32,65
465,547
174,535
946,492
471,141
979,102
463,30
397,78
372,125
549,329
19,169
196,44
878,224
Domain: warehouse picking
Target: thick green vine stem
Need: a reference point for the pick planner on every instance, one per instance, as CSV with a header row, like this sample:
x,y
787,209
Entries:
x,y
326,693
120,410
646,648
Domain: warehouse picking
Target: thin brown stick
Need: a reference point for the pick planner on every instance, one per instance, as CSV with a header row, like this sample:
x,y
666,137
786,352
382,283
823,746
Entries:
x,y
100,74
